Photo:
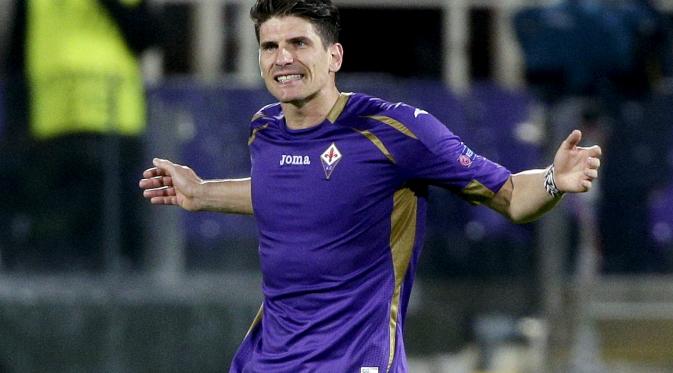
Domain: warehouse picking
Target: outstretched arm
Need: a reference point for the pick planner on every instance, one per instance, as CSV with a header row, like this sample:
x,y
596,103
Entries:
x,y
524,197
168,183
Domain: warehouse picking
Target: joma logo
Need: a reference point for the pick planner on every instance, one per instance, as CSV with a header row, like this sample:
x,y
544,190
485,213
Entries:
x,y
287,159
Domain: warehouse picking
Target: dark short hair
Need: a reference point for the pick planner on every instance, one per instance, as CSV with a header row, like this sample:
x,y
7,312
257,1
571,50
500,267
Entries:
x,y
321,13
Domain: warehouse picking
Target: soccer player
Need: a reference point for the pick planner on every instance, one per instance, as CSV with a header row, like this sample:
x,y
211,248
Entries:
x,y
338,188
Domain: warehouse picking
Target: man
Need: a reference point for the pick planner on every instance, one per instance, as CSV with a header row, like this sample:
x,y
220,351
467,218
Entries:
x,y
338,189
76,116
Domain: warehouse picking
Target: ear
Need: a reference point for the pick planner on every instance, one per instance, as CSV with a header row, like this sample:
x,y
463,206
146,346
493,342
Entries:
x,y
336,50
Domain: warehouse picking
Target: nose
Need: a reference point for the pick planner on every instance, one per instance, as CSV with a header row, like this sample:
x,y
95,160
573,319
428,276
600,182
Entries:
x,y
283,57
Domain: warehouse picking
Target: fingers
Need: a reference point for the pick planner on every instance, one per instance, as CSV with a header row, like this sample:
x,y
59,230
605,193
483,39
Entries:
x,y
586,185
161,196
155,182
163,164
578,165
164,200
159,192
572,140
591,173
152,172
593,162
161,167
592,166
158,176
594,151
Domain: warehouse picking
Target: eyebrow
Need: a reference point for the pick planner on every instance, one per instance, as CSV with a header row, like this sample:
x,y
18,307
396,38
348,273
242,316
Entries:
x,y
296,39
268,44
299,38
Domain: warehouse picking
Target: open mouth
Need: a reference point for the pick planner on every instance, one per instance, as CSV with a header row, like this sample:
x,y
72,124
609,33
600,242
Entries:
x,y
283,79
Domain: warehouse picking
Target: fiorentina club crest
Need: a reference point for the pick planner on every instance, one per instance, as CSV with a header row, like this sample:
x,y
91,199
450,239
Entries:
x,y
330,158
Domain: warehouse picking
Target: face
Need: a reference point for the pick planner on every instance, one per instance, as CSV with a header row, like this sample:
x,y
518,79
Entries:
x,y
295,64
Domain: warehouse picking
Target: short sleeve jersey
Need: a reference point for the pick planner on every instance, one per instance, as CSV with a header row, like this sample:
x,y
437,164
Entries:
x,y
340,209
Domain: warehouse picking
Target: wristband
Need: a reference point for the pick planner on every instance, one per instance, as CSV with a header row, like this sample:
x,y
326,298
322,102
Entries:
x,y
550,183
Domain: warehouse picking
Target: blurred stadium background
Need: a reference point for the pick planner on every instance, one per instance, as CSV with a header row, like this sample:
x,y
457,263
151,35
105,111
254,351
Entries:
x,y
489,297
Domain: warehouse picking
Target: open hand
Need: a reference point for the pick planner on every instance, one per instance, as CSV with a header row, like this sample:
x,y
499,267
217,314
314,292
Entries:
x,y
168,183
576,167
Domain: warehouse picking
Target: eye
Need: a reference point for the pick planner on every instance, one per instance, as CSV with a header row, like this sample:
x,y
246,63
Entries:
x,y
268,47
300,43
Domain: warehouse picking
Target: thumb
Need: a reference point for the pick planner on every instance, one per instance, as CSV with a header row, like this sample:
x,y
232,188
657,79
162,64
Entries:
x,y
572,140
163,164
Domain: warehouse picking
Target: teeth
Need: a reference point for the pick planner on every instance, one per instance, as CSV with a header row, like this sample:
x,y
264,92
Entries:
x,y
287,78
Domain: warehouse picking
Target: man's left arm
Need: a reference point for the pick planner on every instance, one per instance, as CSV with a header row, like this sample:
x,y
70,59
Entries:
x,y
529,194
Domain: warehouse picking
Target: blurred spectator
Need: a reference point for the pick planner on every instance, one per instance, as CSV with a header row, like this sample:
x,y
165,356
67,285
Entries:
x,y
567,48
647,36
598,64
75,118
636,143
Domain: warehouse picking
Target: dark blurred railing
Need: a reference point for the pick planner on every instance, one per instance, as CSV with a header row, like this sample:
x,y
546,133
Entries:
x,y
200,286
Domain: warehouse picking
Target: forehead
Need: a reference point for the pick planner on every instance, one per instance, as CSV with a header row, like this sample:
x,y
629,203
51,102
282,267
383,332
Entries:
x,y
286,27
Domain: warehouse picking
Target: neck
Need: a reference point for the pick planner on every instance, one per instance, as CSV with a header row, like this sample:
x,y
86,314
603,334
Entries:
x,y
310,112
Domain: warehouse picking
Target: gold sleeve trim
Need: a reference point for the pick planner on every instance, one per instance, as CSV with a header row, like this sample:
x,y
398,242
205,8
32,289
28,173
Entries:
x,y
338,107
256,320
256,116
402,237
395,124
254,133
377,142
476,193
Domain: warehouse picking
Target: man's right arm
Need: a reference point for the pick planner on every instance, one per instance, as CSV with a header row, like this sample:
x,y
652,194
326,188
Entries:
x,y
168,183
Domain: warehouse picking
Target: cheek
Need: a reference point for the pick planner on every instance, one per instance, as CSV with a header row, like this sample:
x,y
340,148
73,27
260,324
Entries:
x,y
321,69
263,67
266,62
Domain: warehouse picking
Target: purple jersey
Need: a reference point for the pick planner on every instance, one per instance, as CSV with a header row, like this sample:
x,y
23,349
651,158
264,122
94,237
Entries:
x,y
340,209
